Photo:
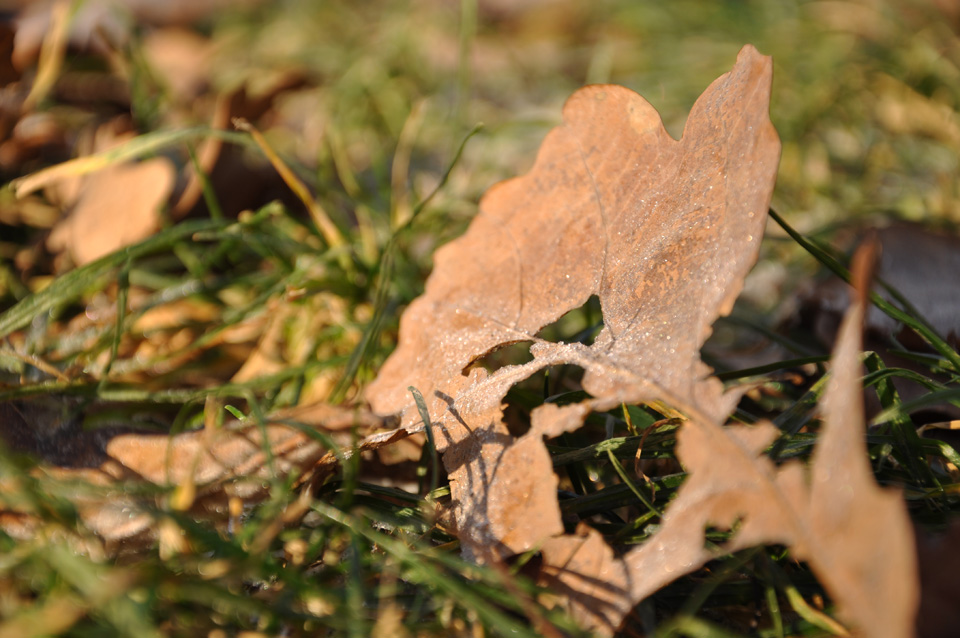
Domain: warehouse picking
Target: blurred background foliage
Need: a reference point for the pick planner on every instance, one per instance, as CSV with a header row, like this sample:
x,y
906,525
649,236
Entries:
x,y
865,95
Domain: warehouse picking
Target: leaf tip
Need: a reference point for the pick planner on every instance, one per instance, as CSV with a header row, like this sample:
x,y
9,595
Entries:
x,y
863,266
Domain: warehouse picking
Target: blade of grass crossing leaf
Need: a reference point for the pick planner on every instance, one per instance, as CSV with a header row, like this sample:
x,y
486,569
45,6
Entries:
x,y
67,288
916,322
428,428
350,471
261,420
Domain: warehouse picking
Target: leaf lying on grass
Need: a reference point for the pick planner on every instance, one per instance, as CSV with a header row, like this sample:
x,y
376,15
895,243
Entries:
x,y
663,231
208,466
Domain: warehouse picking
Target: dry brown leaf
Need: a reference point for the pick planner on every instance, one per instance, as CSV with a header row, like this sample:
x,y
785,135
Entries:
x,y
216,464
117,206
663,231
181,59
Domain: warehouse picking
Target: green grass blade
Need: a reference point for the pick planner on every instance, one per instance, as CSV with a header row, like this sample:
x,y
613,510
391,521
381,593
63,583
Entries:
x,y
69,287
914,321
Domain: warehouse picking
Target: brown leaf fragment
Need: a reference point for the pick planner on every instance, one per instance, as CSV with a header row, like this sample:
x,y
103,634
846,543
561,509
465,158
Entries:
x,y
856,536
872,576
582,568
663,232
106,25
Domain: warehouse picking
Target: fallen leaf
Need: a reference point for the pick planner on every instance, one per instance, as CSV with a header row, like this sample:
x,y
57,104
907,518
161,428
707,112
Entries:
x,y
234,461
181,59
663,232
117,206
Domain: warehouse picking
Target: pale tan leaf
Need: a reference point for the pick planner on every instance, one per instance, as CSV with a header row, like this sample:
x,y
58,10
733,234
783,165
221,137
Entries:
x,y
221,463
117,206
